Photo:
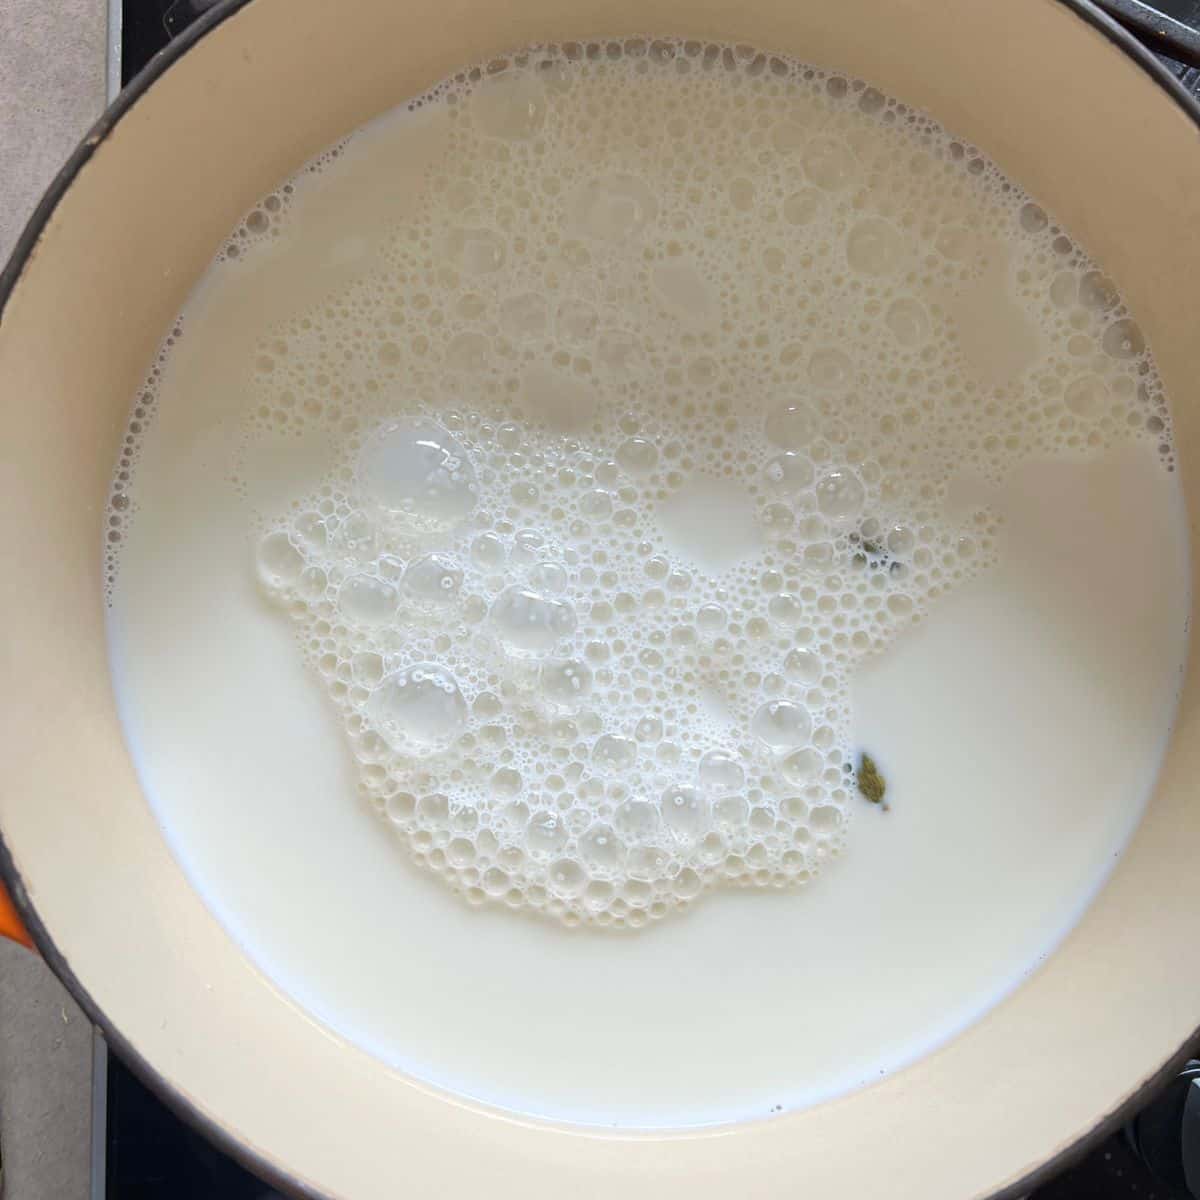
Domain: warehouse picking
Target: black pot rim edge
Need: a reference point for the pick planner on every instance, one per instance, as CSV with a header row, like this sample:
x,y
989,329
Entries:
x,y
228,1142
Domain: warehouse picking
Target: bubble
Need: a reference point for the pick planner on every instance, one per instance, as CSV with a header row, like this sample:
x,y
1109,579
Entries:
x,y
401,808
840,495
312,532
511,106
567,877
778,520
826,818
788,136
802,767
476,251
468,351
546,833
613,207
802,665
1097,291
1032,218
418,708
786,610
506,781
614,752
908,322
279,562
1064,289
682,287
524,316
1123,340
601,849
875,247
620,351
577,320
435,578
418,472
955,242
529,622
679,580
803,207
684,811
1086,395
366,668
649,729
528,546
495,882
830,370
637,455
524,493
711,619
741,193
830,164
313,583
434,810
790,426
487,550
900,539
596,505
636,820
607,473
720,771
549,577
731,813
460,852
566,681
367,600
789,473
647,862
872,101
356,536
781,725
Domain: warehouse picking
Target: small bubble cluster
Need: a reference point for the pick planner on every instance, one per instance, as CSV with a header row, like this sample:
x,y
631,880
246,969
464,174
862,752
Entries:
x,y
266,220
122,504
646,423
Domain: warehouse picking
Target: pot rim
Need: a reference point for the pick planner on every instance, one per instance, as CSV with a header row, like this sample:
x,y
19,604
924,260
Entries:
x,y
227,1141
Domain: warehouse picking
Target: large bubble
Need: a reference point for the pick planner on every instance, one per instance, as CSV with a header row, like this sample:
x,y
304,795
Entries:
x,y
418,471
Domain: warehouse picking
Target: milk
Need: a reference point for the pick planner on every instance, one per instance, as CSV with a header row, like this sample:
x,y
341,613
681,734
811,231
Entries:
x,y
848,447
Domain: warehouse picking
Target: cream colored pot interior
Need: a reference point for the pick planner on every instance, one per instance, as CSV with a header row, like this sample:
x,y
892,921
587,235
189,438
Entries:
x,y
1056,104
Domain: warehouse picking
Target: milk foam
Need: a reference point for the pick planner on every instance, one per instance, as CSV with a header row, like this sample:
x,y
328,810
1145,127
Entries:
x,y
631,469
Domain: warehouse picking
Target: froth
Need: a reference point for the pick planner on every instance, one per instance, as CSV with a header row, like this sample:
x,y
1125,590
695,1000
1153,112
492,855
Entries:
x,y
647,419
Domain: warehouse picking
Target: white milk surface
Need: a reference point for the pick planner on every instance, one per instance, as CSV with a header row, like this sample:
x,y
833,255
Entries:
x,y
545,501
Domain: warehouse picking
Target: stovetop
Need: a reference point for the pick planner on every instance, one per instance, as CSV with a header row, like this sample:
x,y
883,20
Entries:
x,y
152,1155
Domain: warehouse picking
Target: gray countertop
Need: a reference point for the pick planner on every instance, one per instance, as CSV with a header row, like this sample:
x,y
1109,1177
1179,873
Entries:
x,y
52,86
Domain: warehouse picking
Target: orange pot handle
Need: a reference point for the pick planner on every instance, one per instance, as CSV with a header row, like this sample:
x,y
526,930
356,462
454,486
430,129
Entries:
x,y
10,923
